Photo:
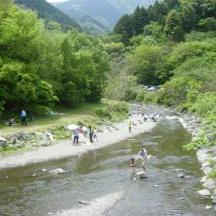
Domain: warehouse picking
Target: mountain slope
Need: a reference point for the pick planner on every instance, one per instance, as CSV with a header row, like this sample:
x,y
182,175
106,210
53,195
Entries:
x,y
92,26
102,10
49,12
128,6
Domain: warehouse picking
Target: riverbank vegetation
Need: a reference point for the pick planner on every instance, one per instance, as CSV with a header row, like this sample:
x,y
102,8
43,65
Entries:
x,y
172,45
41,68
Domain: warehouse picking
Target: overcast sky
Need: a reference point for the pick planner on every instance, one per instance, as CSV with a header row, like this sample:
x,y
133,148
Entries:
x,y
55,0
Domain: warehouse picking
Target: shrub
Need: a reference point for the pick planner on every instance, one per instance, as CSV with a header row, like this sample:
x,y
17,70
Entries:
x,y
103,112
147,97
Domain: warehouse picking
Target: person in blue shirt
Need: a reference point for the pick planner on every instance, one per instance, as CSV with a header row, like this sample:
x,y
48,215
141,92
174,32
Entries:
x,y
23,117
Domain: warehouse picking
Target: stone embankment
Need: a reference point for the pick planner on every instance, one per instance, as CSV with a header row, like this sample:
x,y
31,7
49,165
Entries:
x,y
205,155
22,140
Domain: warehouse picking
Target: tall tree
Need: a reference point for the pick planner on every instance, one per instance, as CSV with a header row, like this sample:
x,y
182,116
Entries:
x,y
124,27
139,20
173,27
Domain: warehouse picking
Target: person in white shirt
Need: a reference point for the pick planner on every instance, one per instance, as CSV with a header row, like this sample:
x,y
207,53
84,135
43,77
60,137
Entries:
x,y
23,117
76,136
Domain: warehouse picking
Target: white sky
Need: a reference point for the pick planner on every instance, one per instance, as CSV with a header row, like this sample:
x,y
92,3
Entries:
x,y
51,1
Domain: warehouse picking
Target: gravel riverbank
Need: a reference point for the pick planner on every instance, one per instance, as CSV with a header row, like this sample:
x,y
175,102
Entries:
x,y
63,149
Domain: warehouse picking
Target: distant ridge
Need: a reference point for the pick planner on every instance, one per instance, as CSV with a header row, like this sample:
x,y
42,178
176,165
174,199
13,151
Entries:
x,y
48,12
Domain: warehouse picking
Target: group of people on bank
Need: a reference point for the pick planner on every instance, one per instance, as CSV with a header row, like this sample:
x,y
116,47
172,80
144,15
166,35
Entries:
x,y
88,134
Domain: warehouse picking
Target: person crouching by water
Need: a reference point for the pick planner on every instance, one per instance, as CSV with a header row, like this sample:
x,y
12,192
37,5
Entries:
x,y
76,136
132,163
23,116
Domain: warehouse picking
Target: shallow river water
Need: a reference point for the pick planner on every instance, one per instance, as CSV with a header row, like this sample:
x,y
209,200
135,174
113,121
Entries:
x,y
104,171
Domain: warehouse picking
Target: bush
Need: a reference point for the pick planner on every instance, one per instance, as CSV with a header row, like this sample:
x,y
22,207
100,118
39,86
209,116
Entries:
x,y
199,142
114,109
205,105
147,97
119,107
103,113
178,92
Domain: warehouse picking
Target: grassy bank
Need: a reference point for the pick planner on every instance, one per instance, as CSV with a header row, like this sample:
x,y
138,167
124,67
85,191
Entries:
x,y
85,114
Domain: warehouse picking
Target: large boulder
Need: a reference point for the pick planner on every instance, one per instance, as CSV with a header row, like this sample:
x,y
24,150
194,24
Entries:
x,y
204,193
19,137
209,183
202,155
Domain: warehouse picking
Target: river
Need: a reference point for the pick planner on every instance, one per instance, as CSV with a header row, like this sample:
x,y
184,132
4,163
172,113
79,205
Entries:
x,y
26,191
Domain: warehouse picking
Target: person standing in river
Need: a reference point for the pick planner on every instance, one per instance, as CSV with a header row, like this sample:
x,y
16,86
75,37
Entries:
x,y
23,117
91,134
129,126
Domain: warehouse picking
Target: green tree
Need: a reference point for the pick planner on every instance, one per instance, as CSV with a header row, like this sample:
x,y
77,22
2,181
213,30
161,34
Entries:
x,y
139,20
124,27
19,88
173,28
145,62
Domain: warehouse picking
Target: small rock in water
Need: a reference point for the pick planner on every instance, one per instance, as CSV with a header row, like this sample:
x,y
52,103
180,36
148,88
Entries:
x,y
204,193
181,175
50,213
182,198
6,177
188,177
83,202
179,170
208,207
58,171
34,175
213,198
44,170
156,186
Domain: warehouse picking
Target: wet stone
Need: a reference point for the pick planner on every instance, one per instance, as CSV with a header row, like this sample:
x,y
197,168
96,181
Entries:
x,y
83,202
181,175
204,193
208,207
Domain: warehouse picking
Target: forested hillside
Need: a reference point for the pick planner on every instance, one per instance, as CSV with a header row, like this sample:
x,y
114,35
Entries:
x,y
172,44
175,17
49,13
40,68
